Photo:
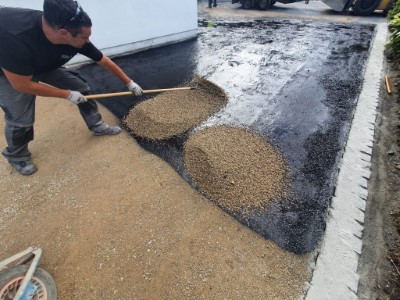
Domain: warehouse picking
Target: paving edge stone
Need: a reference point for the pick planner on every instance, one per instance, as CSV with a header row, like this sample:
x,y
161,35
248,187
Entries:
x,y
335,272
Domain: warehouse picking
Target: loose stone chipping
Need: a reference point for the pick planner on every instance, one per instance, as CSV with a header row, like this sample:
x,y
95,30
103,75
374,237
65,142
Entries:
x,y
238,169
173,113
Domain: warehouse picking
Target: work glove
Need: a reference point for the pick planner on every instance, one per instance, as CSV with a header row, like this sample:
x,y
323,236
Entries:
x,y
135,88
76,97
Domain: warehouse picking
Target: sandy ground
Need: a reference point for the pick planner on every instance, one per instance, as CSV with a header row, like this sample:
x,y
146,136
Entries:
x,y
116,222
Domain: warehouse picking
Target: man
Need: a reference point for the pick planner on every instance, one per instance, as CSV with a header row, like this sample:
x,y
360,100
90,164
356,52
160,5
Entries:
x,y
34,47
210,2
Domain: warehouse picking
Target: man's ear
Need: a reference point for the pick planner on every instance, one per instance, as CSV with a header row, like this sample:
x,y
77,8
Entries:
x,y
63,32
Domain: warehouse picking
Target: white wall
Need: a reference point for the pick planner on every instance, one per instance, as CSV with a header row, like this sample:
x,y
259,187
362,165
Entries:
x,y
125,26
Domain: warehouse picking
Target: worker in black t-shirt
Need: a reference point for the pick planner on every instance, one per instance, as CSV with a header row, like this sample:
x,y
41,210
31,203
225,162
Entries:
x,y
34,47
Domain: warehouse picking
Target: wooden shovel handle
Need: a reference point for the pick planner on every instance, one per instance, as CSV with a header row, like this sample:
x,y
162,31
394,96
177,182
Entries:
x,y
98,96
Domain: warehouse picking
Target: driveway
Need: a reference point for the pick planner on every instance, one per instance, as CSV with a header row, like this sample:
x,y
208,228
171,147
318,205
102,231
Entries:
x,y
293,82
118,222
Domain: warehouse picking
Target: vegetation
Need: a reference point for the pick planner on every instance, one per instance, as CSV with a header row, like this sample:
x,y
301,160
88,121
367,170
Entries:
x,y
394,11
394,20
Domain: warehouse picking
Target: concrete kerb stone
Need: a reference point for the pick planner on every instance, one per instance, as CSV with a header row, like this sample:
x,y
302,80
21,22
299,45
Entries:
x,y
335,274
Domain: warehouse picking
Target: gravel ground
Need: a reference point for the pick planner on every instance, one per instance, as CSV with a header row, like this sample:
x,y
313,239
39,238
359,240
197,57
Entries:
x,y
116,222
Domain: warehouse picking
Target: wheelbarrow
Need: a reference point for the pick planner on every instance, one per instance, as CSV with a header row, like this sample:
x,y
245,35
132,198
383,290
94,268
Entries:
x,y
22,279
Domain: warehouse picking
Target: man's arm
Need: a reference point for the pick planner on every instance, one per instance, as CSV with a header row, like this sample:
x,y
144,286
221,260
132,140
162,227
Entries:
x,y
24,84
109,65
112,67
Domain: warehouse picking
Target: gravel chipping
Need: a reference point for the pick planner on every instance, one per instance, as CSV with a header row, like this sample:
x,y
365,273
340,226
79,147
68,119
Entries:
x,y
173,113
238,169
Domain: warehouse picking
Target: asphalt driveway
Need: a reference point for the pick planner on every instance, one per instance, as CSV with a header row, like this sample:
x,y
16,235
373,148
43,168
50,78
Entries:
x,y
294,82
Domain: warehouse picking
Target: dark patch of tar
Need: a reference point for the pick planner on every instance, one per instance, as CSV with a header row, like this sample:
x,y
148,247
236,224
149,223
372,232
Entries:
x,y
295,83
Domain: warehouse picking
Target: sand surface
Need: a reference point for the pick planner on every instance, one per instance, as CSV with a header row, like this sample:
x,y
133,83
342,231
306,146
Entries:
x,y
117,222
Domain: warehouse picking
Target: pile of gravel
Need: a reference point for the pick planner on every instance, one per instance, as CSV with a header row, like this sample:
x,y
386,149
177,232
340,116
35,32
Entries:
x,y
239,170
173,113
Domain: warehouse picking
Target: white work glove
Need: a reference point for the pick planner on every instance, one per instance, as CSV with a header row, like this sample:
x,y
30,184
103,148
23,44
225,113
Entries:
x,y
76,97
135,88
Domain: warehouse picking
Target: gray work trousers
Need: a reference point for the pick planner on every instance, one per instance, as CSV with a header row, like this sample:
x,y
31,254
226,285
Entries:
x,y
19,109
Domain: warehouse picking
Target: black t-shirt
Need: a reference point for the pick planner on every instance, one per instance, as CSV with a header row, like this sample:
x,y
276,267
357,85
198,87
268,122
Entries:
x,y
25,50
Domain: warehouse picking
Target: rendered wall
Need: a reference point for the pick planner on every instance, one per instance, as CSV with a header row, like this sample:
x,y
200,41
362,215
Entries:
x,y
126,26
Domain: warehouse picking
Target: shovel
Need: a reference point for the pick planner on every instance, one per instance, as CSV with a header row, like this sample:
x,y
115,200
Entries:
x,y
198,83
98,96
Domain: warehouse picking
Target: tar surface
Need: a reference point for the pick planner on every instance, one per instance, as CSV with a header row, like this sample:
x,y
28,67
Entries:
x,y
296,83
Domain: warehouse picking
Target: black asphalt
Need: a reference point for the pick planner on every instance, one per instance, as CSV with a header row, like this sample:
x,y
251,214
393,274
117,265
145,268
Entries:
x,y
296,83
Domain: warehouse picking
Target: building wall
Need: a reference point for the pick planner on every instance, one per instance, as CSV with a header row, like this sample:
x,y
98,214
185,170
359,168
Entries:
x,y
127,26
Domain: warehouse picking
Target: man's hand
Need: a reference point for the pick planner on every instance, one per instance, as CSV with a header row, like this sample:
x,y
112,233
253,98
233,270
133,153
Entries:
x,y
135,88
76,97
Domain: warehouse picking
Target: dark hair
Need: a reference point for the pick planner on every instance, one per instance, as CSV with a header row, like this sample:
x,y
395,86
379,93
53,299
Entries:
x,y
66,14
